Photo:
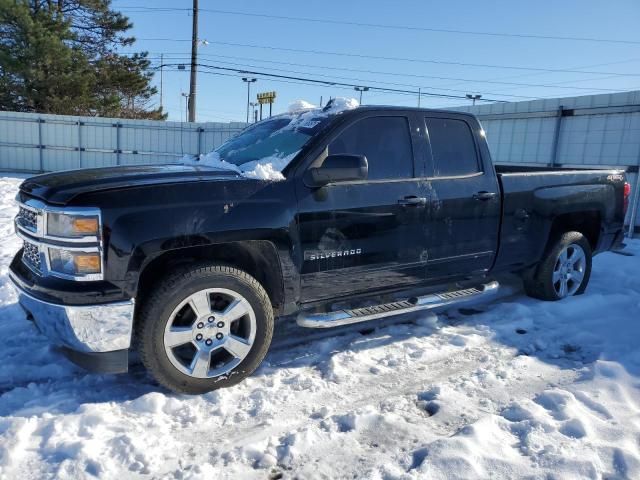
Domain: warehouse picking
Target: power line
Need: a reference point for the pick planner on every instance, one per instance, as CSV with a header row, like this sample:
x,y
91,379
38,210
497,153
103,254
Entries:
x,y
316,81
361,81
327,83
581,67
388,26
519,85
403,59
178,55
292,82
368,82
397,74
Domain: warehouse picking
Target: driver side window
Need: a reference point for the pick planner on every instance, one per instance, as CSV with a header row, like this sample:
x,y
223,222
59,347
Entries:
x,y
385,141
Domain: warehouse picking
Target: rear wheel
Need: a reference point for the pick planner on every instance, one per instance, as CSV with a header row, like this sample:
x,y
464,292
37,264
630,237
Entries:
x,y
204,328
565,270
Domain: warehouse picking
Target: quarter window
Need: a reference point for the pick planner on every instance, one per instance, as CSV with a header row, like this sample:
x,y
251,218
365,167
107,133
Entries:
x,y
452,147
386,143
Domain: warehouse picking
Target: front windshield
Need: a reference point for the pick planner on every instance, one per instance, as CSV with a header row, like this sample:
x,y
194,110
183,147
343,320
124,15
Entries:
x,y
278,137
264,149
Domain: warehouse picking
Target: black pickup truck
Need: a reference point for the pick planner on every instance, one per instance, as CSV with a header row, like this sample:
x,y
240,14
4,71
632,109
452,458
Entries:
x,y
363,213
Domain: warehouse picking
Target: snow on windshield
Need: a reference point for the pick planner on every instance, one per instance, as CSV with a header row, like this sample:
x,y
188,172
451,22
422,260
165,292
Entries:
x,y
267,168
264,149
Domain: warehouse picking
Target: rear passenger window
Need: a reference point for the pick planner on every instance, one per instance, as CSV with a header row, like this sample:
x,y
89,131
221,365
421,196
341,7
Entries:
x,y
386,143
452,147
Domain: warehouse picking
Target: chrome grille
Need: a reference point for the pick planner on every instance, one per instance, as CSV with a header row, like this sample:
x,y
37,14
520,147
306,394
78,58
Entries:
x,y
31,256
28,219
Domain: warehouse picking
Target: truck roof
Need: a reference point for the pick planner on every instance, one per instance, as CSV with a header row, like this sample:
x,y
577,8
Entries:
x,y
394,108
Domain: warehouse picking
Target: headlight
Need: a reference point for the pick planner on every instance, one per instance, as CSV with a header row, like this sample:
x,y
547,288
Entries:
x,y
67,240
72,226
75,263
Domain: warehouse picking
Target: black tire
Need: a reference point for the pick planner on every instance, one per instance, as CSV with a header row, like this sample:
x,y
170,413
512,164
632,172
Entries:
x,y
539,283
168,293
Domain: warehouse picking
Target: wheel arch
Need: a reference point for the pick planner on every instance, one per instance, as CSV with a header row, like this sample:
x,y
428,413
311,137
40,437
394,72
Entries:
x,y
588,223
258,258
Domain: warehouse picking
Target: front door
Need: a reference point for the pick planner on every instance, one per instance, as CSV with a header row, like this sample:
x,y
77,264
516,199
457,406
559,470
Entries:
x,y
361,236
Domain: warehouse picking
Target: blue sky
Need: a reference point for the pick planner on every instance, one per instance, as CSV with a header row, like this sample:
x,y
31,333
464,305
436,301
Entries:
x,y
223,98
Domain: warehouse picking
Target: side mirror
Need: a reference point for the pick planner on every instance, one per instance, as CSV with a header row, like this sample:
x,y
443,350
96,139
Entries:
x,y
338,168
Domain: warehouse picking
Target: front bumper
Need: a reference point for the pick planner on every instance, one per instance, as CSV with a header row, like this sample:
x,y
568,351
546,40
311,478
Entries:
x,y
96,336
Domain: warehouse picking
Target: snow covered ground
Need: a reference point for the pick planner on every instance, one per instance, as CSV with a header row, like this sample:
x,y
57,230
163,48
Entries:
x,y
517,388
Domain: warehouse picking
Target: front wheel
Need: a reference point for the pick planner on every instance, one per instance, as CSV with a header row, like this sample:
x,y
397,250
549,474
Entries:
x,y
204,328
565,270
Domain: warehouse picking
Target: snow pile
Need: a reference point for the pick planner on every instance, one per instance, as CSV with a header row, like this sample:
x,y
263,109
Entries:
x,y
310,117
268,168
211,159
300,106
265,169
516,388
335,105
340,104
309,113
9,242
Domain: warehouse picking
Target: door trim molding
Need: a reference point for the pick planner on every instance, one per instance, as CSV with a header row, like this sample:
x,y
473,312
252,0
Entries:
x,y
466,256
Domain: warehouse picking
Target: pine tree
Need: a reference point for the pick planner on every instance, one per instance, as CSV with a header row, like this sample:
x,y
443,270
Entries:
x,y
62,56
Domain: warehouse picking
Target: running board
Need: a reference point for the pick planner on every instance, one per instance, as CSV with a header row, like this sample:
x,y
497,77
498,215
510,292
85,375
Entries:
x,y
426,302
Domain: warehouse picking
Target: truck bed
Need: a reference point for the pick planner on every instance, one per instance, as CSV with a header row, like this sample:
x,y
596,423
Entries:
x,y
536,197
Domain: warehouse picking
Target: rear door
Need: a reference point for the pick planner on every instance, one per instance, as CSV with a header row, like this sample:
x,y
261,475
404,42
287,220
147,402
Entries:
x,y
360,236
465,198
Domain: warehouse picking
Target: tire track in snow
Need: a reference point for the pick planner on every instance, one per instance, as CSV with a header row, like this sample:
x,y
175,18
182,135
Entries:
x,y
283,341
372,390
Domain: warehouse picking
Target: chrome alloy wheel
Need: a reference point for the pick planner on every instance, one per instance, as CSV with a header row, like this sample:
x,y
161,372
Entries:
x,y
210,332
569,270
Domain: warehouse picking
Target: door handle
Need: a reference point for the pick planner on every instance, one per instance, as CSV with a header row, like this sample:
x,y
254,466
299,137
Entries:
x,y
412,200
484,196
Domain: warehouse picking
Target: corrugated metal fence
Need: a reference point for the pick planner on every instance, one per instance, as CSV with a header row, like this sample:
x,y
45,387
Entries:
x,y
594,130
37,143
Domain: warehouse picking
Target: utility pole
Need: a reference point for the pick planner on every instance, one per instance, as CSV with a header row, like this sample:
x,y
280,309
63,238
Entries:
x,y
419,96
194,62
161,68
249,81
474,97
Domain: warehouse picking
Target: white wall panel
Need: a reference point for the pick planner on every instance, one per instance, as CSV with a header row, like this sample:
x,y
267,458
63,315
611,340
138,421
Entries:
x,y
81,142
594,130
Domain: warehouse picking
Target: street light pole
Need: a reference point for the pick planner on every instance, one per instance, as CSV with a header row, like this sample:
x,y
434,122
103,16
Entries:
x,y
361,89
474,97
186,106
248,81
255,111
161,67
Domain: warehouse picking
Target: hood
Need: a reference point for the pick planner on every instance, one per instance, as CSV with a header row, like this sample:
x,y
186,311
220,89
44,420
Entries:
x,y
62,187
